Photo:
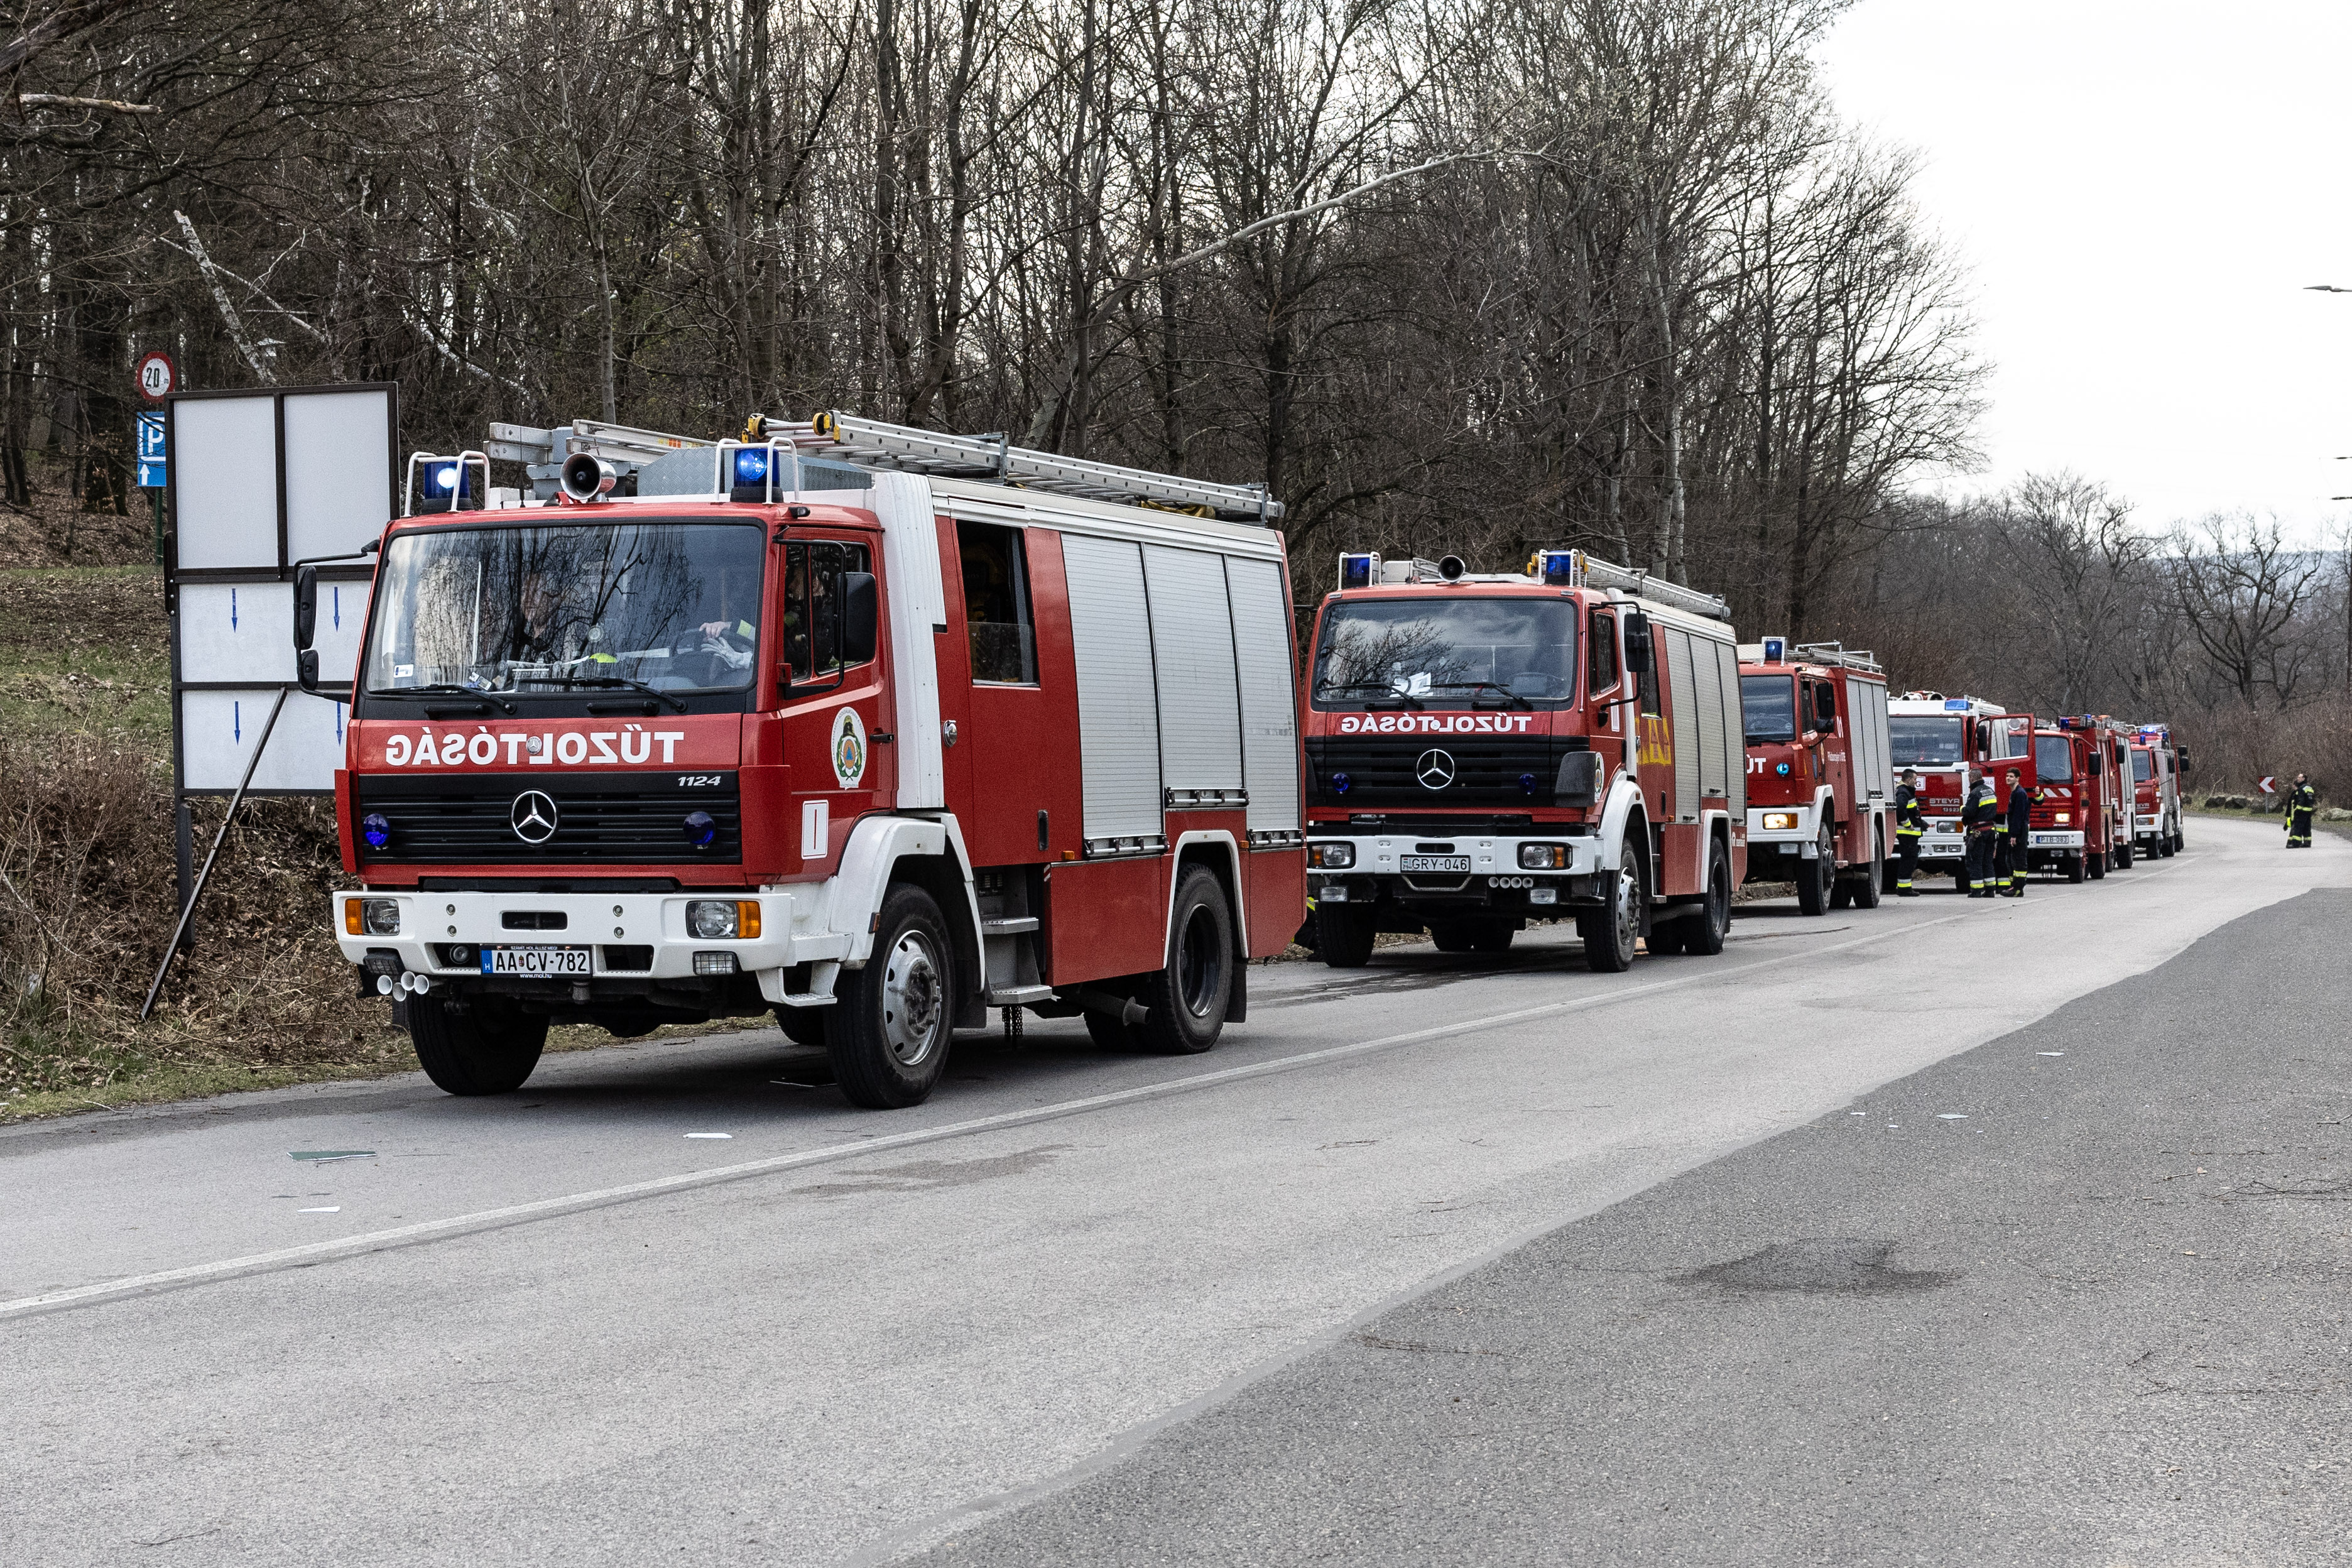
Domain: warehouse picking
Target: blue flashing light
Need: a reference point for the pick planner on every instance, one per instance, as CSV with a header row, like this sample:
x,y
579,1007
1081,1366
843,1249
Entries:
x,y
1559,567
751,465
1359,571
376,828
1776,650
1955,704
702,831
1527,783
1339,782
445,477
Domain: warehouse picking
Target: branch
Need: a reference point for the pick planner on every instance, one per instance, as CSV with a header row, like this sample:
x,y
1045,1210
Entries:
x,y
220,298
63,101
55,28
260,292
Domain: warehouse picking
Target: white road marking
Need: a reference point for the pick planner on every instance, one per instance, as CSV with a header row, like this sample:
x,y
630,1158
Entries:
x,y
686,1181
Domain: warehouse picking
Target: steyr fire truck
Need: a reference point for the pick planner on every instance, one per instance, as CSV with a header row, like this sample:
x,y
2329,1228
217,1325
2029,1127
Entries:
x,y
1819,787
873,728
1941,738
1484,749
2156,767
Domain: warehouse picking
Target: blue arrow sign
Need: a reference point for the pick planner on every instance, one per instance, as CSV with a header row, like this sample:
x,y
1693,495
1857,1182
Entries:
x,y
152,462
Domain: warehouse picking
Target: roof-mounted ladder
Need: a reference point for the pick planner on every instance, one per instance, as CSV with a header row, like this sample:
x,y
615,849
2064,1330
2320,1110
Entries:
x,y
846,441
1643,585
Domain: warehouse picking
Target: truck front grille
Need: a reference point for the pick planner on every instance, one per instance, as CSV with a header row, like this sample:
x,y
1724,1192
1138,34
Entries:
x,y
614,820
1389,771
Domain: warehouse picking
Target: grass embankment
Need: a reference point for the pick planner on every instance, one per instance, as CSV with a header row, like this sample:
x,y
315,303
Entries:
x,y
87,883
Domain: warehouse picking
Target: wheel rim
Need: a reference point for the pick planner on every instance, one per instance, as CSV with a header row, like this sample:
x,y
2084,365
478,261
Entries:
x,y
912,998
1629,920
1200,965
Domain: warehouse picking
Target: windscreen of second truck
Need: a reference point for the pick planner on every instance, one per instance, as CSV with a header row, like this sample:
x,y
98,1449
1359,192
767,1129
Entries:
x,y
1770,701
1454,651
2054,759
2143,765
673,604
1923,739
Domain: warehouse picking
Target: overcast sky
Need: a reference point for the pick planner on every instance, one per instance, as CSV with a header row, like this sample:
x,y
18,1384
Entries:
x,y
2140,192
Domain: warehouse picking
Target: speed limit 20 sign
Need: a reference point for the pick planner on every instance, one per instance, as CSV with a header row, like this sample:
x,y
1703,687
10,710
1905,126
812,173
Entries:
x,y
158,377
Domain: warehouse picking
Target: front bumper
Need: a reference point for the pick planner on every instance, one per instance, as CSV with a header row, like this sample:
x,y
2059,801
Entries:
x,y
631,936
1805,834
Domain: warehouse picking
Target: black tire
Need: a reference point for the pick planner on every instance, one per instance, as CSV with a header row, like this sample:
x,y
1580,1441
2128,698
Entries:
x,y
803,1025
2125,854
1343,935
1611,931
2180,841
1188,997
2075,867
489,1049
1491,936
888,1031
1817,879
1704,937
1866,890
2096,864
1453,936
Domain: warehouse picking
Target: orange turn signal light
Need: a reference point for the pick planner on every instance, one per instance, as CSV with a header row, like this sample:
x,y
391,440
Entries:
x,y
747,919
352,918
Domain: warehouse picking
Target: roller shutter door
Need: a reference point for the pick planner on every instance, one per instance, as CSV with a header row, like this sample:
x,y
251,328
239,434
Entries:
x,y
1269,702
1685,701
1119,732
1706,686
1735,726
1200,695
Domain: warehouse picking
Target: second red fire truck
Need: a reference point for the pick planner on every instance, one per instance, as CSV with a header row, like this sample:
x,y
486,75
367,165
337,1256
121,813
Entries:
x,y
1820,788
1939,738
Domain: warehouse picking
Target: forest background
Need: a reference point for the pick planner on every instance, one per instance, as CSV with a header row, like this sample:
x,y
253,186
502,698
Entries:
x,y
1464,277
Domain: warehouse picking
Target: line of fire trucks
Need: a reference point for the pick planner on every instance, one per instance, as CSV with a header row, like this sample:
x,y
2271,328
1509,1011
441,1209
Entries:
x,y
884,731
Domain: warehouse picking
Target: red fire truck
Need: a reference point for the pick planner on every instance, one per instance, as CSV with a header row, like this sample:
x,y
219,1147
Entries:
x,y
1484,749
1939,737
2083,825
1819,786
873,727
2156,767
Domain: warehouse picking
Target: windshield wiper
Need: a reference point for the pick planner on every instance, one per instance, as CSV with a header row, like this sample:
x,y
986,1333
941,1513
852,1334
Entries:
x,y
444,688
655,692
1403,700
1484,686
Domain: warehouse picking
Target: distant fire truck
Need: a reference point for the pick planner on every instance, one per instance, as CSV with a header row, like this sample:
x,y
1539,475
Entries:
x,y
1484,749
1819,787
2111,778
873,728
1941,738
2156,767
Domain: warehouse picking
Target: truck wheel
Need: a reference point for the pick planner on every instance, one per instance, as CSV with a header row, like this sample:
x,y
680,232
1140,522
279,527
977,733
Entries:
x,y
803,1025
1704,936
2098,865
1817,880
1867,889
2124,853
1188,999
2075,866
888,1030
489,1049
1611,931
1343,935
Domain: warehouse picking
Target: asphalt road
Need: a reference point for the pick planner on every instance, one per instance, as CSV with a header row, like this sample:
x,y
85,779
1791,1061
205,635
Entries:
x,y
1085,1308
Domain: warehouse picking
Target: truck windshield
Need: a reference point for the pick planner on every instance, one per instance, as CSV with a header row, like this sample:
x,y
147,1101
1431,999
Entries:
x,y
2054,759
673,605
1923,739
2143,765
1770,701
1454,651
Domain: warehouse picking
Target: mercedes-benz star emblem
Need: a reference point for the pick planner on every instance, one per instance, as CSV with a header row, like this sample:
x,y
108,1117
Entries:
x,y
1434,770
533,816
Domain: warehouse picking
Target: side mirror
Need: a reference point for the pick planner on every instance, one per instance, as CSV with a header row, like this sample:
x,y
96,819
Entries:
x,y
1579,782
2181,762
306,670
860,617
305,607
2096,759
1824,709
1640,659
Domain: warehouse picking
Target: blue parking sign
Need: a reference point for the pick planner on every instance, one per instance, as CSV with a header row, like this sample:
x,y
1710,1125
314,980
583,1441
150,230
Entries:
x,y
151,452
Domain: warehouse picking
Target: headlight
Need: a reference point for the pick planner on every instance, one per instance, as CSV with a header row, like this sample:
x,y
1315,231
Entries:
x,y
1779,821
715,919
381,916
1332,857
1542,857
2063,818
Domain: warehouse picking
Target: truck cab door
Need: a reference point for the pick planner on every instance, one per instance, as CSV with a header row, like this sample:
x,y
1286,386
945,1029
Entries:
x,y
834,709
1604,686
1653,738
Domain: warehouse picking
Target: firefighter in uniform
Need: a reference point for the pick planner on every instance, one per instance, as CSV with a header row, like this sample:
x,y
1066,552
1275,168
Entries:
x,y
1910,822
2021,801
1980,820
2301,803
